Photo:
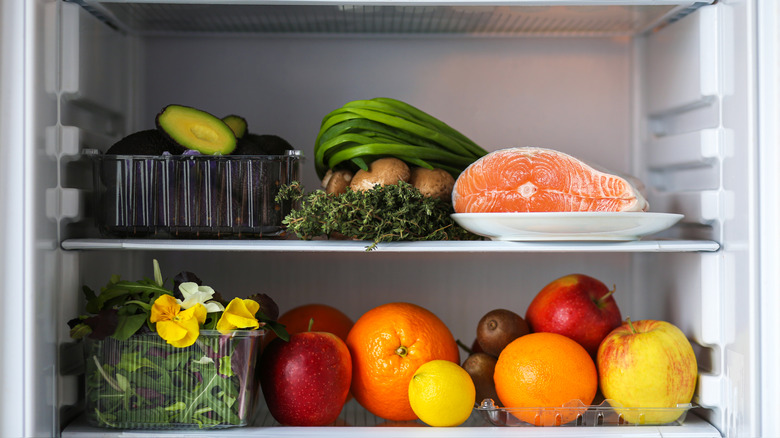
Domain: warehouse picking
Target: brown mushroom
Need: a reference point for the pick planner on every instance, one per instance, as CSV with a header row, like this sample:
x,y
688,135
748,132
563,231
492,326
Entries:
x,y
384,171
436,183
336,182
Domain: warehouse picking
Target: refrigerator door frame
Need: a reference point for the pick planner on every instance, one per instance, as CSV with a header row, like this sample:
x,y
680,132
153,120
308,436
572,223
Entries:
x,y
12,132
30,280
768,77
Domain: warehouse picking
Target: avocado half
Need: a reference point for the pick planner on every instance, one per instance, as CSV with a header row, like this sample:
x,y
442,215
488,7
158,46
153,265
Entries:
x,y
197,130
237,124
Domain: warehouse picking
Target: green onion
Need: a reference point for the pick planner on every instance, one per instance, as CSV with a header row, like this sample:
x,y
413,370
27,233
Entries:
x,y
363,130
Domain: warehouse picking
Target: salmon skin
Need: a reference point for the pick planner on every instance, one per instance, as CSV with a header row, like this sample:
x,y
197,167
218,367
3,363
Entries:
x,y
532,179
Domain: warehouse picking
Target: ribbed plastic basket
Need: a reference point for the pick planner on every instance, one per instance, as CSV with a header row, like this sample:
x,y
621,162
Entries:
x,y
185,196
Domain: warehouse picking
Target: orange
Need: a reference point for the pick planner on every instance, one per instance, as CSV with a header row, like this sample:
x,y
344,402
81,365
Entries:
x,y
540,180
326,319
388,343
545,370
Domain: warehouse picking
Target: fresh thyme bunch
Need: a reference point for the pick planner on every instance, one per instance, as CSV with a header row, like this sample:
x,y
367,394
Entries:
x,y
382,214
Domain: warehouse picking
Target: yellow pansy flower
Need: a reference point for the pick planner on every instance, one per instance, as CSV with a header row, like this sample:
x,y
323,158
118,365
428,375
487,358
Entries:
x,y
239,314
178,327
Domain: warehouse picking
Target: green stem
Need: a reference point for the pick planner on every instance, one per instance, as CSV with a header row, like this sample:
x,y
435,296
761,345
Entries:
x,y
142,304
606,295
631,326
105,375
206,387
158,278
433,121
423,153
464,347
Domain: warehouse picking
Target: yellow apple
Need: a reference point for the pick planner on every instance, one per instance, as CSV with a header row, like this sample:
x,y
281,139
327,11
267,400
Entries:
x,y
647,364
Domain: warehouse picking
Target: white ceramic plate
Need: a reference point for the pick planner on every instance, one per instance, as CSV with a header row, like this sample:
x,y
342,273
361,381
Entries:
x,y
595,226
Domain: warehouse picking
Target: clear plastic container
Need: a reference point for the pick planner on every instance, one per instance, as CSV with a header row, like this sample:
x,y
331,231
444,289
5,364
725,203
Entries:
x,y
575,413
196,196
145,383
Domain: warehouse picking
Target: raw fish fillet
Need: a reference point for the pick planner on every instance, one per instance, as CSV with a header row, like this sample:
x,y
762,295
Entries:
x,y
541,180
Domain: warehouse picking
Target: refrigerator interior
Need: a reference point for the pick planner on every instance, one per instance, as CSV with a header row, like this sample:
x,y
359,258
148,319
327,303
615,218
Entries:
x,y
661,90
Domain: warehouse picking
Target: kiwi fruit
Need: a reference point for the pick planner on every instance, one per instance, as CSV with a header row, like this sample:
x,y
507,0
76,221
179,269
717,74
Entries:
x,y
481,367
498,328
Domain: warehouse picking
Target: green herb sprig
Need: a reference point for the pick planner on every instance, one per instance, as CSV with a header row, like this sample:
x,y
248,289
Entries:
x,y
383,214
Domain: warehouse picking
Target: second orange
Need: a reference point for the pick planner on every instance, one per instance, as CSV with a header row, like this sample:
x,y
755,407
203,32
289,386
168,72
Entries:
x,y
388,343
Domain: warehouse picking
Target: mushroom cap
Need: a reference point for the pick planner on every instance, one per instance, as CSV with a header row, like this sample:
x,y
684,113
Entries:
x,y
436,183
383,171
336,182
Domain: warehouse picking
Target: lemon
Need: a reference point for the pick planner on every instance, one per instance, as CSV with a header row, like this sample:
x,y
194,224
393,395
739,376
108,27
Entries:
x,y
441,393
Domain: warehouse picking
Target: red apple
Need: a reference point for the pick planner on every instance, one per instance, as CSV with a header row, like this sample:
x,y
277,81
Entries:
x,y
305,381
576,306
647,364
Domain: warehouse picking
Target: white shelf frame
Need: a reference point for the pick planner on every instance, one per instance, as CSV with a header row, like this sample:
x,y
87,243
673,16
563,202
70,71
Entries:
x,y
642,246
693,427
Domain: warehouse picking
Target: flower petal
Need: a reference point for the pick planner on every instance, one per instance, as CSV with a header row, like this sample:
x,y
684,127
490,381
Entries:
x,y
178,328
188,288
196,313
239,314
224,325
171,331
206,290
213,306
165,308
252,306
194,294
192,330
193,299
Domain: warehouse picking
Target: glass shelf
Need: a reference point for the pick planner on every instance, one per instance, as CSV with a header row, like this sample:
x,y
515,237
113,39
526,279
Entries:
x,y
443,17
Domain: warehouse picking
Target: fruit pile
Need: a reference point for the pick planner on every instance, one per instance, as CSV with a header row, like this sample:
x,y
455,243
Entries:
x,y
398,360
573,342
401,362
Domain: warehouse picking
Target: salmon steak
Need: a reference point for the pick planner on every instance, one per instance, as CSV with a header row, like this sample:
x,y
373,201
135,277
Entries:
x,y
540,180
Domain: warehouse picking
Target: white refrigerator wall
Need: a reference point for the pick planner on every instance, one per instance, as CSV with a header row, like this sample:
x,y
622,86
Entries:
x,y
601,99
768,45
700,155
501,92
